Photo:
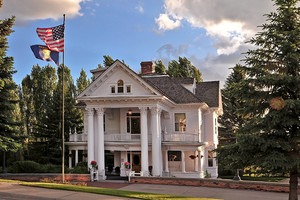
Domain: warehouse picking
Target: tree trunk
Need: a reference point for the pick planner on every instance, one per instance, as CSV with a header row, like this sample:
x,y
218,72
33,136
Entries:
x,y
293,194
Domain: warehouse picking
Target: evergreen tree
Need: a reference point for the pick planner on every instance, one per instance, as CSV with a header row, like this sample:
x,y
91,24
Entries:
x,y
8,125
183,68
230,121
108,61
160,67
271,139
82,82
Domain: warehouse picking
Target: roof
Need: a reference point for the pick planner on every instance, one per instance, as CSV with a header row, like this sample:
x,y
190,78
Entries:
x,y
188,80
205,92
209,92
172,89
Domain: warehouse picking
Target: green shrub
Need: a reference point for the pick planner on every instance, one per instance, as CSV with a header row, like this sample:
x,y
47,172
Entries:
x,y
50,168
26,167
82,164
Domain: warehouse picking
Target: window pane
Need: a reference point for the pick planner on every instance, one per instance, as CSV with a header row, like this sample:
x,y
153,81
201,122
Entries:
x,y
120,83
128,88
174,155
113,89
210,156
120,89
180,122
128,124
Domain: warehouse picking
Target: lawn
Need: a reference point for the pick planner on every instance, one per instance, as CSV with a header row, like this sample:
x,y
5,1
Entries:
x,y
105,191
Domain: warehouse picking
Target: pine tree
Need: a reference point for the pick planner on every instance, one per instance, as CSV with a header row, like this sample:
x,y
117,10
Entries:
x,y
82,82
8,125
160,67
230,121
271,91
183,68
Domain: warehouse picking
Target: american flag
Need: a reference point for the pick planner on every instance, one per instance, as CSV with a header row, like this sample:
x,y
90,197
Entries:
x,y
53,37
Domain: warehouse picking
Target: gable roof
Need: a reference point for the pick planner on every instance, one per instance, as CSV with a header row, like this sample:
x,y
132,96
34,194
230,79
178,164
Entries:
x,y
104,74
172,89
209,92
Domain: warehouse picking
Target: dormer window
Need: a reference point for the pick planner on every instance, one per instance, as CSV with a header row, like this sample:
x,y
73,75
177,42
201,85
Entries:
x,y
120,86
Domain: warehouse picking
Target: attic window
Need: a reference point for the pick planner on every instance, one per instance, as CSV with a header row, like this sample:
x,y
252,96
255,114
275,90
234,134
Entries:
x,y
113,89
120,86
128,89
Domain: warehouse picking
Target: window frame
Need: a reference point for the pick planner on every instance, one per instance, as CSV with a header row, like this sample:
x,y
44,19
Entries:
x,y
180,124
120,86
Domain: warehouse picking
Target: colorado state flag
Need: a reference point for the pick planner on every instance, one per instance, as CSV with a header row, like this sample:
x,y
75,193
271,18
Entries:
x,y
44,53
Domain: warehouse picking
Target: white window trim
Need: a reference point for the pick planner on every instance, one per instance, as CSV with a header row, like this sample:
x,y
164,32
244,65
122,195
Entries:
x,y
175,122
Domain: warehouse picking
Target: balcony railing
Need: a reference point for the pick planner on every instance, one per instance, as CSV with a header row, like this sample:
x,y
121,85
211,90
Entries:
x,y
122,137
166,137
180,137
78,137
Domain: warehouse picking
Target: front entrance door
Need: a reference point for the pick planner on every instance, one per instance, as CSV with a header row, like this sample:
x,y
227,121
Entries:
x,y
136,162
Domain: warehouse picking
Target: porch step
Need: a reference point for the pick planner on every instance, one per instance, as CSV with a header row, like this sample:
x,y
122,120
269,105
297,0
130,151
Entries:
x,y
115,177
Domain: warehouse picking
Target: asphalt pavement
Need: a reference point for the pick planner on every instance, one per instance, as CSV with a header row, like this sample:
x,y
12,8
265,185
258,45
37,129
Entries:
x,y
13,191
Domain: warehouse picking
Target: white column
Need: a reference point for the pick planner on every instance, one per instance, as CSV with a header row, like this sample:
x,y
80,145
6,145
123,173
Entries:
x,y
201,162
90,114
100,142
160,151
182,162
70,159
76,157
196,162
156,162
166,161
144,141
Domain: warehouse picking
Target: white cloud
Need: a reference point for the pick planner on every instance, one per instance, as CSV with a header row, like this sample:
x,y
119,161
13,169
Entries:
x,y
165,23
40,9
229,23
139,8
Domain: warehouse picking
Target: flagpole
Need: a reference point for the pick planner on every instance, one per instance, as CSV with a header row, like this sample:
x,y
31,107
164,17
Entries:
x,y
63,109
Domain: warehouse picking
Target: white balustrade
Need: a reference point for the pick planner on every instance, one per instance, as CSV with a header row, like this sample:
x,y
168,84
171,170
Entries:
x,y
181,137
78,138
122,137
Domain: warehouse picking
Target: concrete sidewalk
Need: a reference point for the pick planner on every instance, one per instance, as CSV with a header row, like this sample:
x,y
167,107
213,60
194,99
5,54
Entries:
x,y
13,191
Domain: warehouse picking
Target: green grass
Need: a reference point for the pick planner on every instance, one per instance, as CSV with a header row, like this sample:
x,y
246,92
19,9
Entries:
x,y
262,178
105,191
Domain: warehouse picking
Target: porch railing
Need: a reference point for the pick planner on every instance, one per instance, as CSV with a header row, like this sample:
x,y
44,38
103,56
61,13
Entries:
x,y
78,137
122,137
180,137
169,137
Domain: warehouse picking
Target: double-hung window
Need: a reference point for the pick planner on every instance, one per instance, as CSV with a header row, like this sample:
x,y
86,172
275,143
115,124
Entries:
x,y
180,122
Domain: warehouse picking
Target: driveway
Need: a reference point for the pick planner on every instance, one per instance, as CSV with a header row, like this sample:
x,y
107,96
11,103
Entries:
x,y
13,191
207,192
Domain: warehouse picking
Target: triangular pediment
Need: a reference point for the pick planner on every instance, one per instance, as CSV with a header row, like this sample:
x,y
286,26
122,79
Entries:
x,y
106,85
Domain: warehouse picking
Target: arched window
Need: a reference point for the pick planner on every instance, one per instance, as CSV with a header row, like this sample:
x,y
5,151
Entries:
x,y
120,86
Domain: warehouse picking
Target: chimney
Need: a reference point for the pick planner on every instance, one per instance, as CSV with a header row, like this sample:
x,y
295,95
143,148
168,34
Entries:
x,y
147,67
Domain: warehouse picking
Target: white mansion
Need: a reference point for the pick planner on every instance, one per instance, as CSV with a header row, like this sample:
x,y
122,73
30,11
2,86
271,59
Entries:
x,y
162,126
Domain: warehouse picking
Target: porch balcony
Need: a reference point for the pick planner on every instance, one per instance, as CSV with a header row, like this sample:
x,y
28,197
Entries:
x,y
78,137
180,137
116,137
121,137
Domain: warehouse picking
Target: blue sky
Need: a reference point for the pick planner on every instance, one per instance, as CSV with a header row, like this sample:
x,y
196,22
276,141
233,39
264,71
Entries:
x,y
210,33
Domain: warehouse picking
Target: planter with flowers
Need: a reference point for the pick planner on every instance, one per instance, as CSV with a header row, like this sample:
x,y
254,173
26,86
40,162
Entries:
x,y
94,170
127,167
